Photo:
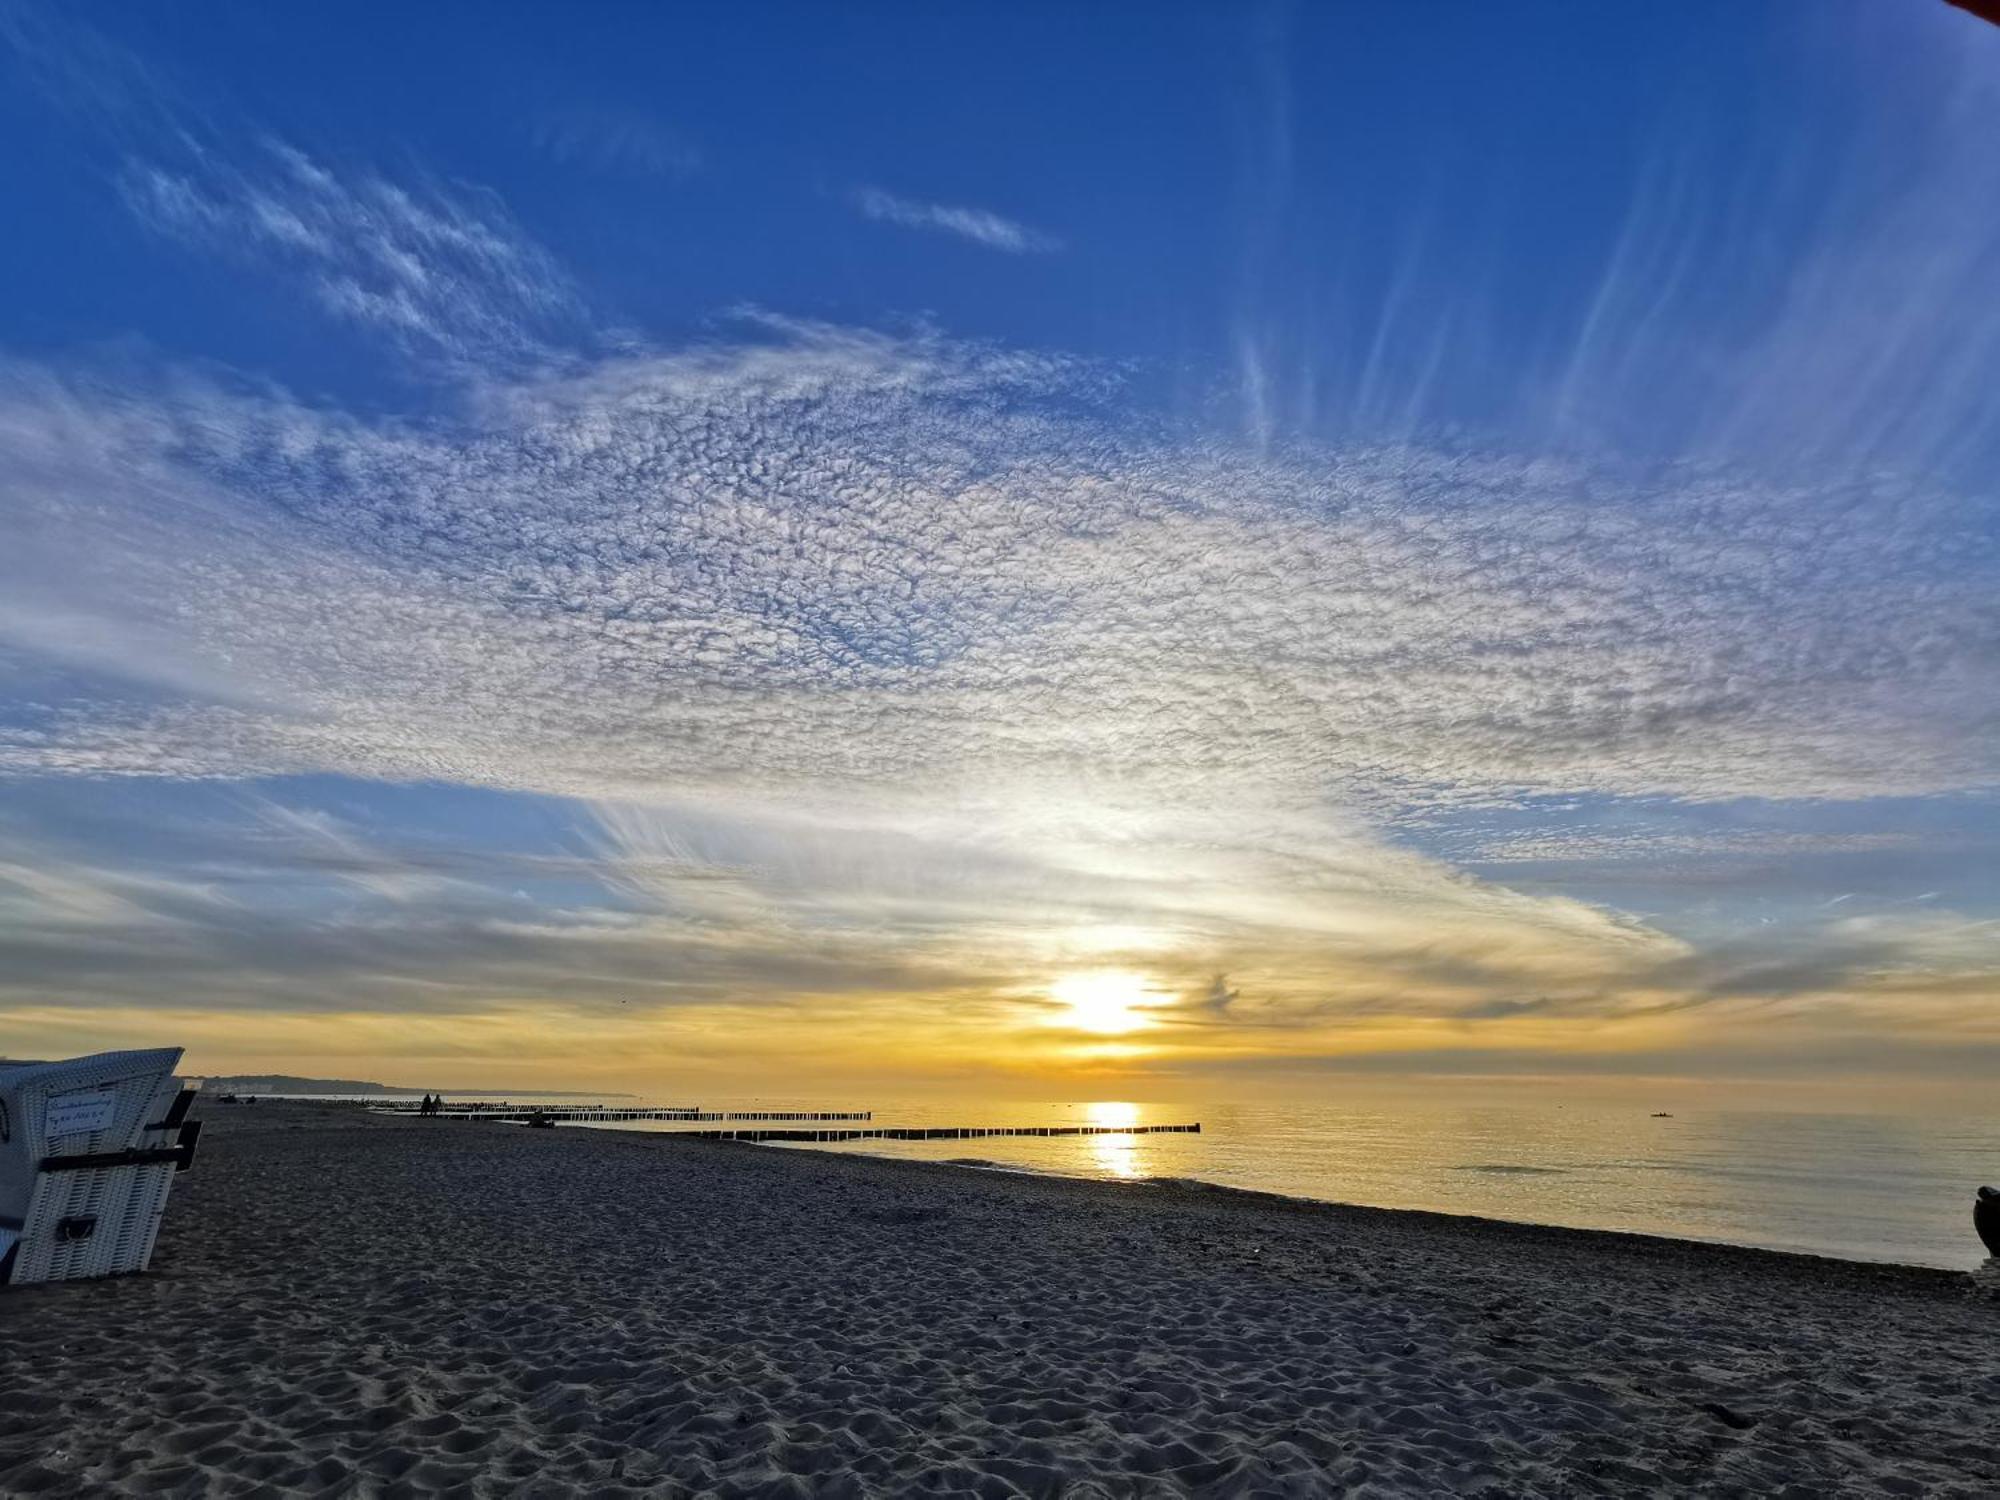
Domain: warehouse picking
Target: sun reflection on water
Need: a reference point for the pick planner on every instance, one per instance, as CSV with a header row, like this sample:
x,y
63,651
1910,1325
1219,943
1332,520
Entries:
x,y
1116,1155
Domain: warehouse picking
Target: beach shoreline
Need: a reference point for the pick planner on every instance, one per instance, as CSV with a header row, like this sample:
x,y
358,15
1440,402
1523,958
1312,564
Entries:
x,y
347,1303
1198,1187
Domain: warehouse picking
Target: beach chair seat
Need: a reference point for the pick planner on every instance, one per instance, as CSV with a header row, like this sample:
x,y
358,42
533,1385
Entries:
x,y
88,1151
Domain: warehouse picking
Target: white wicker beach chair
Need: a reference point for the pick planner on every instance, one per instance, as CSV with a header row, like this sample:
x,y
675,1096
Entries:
x,y
88,1151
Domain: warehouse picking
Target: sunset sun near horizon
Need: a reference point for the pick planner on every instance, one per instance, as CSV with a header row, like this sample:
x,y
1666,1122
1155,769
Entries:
x,y
1109,1002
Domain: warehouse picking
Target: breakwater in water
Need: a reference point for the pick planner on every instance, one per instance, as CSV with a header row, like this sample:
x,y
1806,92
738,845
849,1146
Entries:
x,y
940,1132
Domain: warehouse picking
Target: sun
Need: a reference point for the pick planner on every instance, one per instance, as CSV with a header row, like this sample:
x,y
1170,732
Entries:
x,y
1106,1001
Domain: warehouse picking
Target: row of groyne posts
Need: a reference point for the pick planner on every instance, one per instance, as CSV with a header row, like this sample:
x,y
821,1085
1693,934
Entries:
x,y
940,1132
831,1123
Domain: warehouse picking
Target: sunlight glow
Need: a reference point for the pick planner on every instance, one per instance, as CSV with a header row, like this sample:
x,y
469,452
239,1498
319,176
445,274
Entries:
x,y
1111,1112
1109,1002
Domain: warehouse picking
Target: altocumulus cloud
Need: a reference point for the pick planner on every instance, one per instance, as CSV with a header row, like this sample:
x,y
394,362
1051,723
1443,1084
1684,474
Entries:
x,y
838,557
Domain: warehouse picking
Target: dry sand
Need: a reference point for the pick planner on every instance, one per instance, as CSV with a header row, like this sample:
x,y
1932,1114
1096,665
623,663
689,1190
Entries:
x,y
344,1304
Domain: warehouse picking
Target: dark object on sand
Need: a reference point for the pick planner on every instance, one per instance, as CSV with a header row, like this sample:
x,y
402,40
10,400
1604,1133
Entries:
x,y
540,1121
1661,1114
1728,1416
1986,1218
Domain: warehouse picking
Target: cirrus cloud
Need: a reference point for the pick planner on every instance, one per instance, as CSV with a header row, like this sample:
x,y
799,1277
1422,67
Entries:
x,y
980,225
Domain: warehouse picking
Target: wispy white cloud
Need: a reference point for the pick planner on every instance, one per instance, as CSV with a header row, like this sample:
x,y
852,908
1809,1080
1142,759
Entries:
x,y
1652,844
616,140
108,88
443,271
1812,303
981,226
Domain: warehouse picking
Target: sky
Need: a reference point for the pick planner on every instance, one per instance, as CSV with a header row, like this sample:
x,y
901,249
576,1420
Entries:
x,y
1133,550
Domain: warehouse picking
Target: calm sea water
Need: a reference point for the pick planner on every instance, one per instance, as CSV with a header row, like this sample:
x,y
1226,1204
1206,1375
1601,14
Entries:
x,y
1867,1187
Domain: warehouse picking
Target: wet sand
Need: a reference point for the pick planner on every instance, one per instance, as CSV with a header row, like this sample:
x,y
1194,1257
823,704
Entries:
x,y
344,1304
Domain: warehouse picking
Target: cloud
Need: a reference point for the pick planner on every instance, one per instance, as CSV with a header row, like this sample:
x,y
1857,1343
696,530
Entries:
x,y
104,86
440,269
444,272
981,226
616,141
1810,305
1652,844
903,674
828,558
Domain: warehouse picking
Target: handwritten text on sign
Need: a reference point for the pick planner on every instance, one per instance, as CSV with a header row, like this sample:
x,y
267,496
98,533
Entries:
x,y
86,1109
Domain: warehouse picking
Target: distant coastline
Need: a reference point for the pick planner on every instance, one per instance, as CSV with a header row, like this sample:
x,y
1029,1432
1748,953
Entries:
x,y
285,1083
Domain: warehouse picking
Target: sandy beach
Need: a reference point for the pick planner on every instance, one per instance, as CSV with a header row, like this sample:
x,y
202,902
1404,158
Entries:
x,y
344,1304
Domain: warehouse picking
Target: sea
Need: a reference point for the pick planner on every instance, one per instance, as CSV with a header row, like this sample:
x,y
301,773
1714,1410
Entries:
x,y
1858,1186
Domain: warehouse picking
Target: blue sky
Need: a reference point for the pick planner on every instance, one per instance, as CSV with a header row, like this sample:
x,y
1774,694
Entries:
x,y
636,545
